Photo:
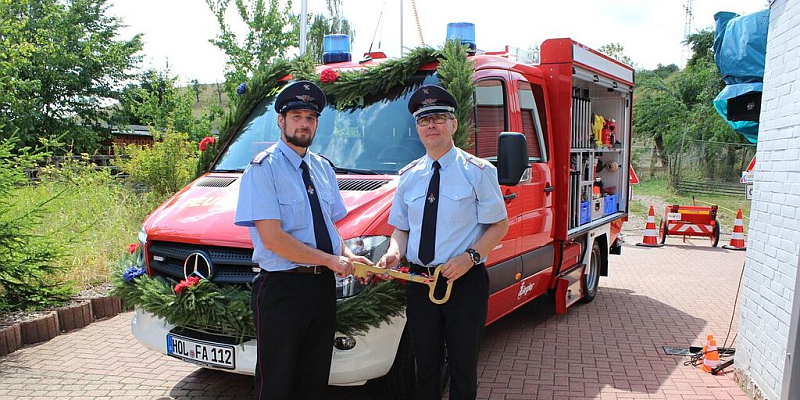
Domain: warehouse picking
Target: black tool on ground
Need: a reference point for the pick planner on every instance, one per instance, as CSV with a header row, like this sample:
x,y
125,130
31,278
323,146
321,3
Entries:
x,y
722,366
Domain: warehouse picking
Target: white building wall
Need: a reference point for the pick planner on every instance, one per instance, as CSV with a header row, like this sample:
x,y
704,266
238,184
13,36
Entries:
x,y
774,231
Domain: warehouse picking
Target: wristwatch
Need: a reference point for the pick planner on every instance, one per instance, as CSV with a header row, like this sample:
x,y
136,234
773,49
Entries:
x,y
474,255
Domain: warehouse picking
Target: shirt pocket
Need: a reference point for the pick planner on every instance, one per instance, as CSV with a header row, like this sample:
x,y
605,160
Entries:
x,y
325,201
457,203
293,210
414,198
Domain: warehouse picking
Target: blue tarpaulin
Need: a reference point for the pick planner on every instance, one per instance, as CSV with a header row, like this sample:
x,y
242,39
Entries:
x,y
740,48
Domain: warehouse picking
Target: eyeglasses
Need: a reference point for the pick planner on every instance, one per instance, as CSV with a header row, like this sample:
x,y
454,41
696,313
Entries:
x,y
438,119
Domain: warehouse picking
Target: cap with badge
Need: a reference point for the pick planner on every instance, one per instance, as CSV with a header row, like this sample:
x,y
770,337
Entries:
x,y
431,99
300,95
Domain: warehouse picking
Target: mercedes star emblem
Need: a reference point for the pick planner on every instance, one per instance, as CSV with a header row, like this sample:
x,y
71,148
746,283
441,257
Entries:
x,y
197,264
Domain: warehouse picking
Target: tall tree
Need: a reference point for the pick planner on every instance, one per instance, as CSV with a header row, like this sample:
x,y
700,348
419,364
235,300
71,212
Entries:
x,y
676,109
156,101
320,25
269,35
60,66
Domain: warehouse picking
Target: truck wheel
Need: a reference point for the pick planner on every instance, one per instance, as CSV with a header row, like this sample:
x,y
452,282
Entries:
x,y
401,381
592,273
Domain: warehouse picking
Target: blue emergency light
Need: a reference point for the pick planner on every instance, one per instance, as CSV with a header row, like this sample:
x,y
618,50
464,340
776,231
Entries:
x,y
463,31
336,48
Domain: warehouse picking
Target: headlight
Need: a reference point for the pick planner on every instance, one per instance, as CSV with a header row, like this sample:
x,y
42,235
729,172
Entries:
x,y
371,247
142,237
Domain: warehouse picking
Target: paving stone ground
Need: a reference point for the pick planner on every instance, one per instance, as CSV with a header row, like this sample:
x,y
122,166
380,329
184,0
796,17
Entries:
x,y
608,349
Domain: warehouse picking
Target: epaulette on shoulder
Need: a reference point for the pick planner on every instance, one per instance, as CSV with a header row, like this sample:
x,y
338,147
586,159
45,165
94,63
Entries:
x,y
260,157
478,162
409,166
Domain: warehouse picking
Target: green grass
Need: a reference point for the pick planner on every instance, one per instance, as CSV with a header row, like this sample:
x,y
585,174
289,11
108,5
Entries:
x,y
96,219
658,187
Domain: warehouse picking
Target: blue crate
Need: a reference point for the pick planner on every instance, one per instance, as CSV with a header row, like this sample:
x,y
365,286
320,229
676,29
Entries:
x,y
586,212
610,204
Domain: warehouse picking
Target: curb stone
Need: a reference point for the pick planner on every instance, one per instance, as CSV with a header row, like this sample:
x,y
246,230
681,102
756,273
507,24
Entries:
x,y
10,338
105,307
74,316
40,329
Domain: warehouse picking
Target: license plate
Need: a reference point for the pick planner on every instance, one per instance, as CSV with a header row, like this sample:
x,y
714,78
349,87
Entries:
x,y
200,352
674,216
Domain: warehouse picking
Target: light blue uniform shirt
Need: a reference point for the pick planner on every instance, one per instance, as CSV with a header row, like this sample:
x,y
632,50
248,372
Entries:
x,y
272,188
469,201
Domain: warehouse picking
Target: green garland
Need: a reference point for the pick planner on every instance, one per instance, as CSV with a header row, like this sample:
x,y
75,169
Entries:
x,y
227,307
354,88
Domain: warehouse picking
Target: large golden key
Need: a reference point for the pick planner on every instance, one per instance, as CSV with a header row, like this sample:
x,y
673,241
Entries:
x,y
362,270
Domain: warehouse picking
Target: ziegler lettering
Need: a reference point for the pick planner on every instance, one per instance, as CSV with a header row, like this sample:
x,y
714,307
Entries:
x,y
524,290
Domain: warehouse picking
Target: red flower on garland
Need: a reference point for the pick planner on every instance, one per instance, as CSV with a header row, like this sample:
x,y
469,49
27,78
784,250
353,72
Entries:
x,y
189,282
132,248
207,141
328,76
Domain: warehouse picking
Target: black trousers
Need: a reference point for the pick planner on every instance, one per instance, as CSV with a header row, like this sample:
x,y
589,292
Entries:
x,y
456,324
295,319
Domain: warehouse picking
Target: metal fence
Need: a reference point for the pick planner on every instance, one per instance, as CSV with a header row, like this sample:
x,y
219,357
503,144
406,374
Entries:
x,y
703,167
100,162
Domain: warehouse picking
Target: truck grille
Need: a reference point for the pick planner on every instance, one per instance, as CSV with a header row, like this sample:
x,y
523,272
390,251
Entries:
x,y
231,264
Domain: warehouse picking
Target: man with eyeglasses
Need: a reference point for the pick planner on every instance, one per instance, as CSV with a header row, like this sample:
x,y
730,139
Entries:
x,y
448,210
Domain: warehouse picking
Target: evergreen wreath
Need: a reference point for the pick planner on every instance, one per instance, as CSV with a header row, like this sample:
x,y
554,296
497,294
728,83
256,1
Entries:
x,y
226,308
354,88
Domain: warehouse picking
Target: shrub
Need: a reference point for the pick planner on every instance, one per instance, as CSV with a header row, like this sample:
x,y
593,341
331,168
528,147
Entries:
x,y
165,167
28,276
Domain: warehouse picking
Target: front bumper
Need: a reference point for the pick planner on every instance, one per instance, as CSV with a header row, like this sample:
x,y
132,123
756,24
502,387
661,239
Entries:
x,y
371,358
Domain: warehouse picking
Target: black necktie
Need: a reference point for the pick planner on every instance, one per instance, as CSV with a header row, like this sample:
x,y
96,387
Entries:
x,y
427,239
320,229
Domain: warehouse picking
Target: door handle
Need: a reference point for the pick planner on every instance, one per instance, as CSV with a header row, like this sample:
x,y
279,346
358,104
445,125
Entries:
x,y
548,188
509,197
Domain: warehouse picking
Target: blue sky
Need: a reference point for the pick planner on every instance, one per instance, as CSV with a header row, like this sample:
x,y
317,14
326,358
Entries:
x,y
177,31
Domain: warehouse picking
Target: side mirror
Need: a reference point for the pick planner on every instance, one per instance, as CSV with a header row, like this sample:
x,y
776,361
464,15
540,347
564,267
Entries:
x,y
512,157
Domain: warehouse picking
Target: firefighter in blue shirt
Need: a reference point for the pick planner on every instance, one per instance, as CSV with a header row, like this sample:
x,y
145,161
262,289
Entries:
x,y
448,210
289,199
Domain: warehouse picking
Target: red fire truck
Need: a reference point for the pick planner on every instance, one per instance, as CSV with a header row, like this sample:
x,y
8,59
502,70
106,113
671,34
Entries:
x,y
566,199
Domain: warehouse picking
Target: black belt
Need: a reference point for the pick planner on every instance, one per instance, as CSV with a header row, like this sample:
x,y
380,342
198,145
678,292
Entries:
x,y
420,269
313,270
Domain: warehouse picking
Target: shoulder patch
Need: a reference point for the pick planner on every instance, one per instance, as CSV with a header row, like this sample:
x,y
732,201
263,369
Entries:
x,y
478,162
260,157
409,166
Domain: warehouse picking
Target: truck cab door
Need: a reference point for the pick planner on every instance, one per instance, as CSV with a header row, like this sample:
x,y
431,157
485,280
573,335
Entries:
x,y
491,118
528,111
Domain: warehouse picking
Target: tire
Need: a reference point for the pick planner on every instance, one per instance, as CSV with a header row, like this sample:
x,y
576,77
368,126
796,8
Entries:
x,y
401,381
715,237
592,273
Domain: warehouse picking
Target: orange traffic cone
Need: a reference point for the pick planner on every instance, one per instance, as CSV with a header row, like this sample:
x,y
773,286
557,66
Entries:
x,y
710,354
650,238
737,237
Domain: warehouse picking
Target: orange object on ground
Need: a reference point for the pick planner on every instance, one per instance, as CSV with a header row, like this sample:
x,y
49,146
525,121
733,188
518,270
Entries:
x,y
710,354
691,221
650,239
737,237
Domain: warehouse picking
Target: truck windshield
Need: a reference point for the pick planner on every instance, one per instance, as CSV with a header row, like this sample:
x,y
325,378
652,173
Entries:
x,y
378,136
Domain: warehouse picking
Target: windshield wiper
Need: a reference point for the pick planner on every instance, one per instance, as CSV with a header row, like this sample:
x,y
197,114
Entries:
x,y
354,171
343,170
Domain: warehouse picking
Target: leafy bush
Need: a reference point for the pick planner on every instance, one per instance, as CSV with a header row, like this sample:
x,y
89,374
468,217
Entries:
x,y
95,217
28,277
165,167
